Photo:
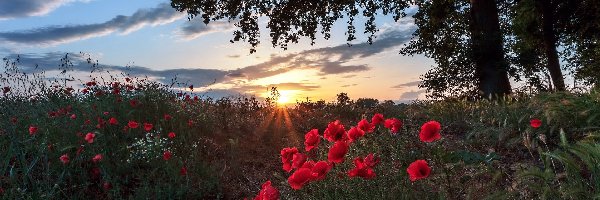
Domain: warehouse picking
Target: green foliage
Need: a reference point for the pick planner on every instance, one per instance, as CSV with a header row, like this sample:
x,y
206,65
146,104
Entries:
x,y
570,172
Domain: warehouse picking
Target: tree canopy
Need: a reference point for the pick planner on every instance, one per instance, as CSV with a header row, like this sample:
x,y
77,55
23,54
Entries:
x,y
477,45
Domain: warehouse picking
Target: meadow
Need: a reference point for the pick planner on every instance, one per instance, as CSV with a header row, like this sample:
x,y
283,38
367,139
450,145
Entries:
x,y
132,138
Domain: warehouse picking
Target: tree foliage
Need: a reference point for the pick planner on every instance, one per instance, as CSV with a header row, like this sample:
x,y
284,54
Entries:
x,y
291,20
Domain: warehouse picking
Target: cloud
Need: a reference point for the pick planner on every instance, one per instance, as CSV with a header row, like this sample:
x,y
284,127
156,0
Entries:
x,y
195,28
331,60
10,9
409,84
280,86
349,85
52,35
411,95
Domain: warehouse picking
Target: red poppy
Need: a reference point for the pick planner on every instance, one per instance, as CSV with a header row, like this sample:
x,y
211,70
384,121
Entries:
x,y
5,90
133,124
430,131
535,123
311,139
106,186
371,160
393,124
134,103
147,126
183,171
127,79
73,116
84,90
320,169
363,167
167,117
171,135
299,178
167,155
97,158
33,130
335,131
267,192
298,160
64,159
95,173
361,170
377,119
366,126
418,170
89,137
337,152
113,121
90,84
287,155
190,123
354,133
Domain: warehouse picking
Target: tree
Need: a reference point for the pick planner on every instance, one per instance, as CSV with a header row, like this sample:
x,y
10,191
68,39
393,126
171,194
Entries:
x,y
536,41
464,37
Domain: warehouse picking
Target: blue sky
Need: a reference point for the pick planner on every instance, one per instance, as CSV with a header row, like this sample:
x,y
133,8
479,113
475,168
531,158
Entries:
x,y
160,42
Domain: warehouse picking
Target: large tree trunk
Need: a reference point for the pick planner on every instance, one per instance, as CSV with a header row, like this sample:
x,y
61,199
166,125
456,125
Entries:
x,y
488,54
549,40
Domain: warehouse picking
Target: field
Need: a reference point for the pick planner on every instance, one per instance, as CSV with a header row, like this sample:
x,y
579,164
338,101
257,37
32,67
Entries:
x,y
133,138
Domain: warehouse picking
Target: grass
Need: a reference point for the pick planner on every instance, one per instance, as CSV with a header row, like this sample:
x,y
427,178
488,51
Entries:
x,y
230,146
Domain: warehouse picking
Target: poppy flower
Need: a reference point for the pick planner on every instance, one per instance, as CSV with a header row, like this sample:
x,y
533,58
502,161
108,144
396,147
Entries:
x,y
363,167
89,137
127,79
183,171
298,160
267,192
133,124
106,186
377,119
73,116
393,124
354,133
311,139
430,131
335,131
167,155
535,123
133,103
337,152
361,170
299,178
171,135
319,170
97,158
167,117
371,160
113,121
33,130
84,90
287,155
190,123
95,173
5,90
365,126
64,159
418,170
147,126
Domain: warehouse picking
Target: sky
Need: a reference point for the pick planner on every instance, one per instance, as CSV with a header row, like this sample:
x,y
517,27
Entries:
x,y
149,38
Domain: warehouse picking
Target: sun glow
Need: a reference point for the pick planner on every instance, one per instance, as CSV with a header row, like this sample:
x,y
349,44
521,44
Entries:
x,y
285,96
